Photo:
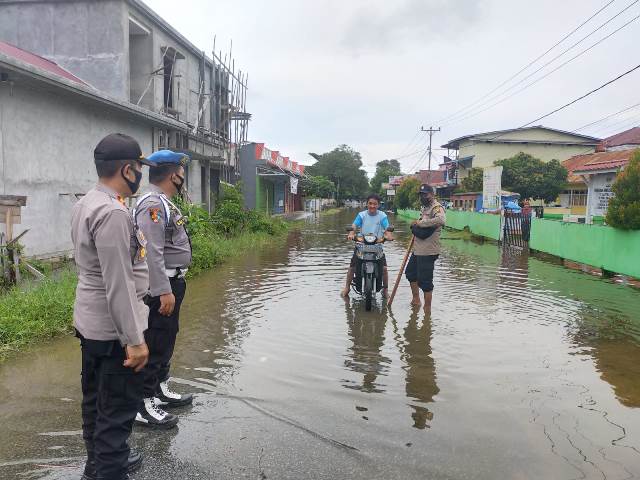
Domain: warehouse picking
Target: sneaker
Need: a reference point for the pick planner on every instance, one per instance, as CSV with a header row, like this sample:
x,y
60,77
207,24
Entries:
x,y
133,465
168,399
152,416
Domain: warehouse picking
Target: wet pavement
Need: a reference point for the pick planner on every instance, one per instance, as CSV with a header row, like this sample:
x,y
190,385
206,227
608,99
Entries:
x,y
525,370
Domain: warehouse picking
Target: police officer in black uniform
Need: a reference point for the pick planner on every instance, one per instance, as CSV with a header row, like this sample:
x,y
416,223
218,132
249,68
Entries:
x,y
169,257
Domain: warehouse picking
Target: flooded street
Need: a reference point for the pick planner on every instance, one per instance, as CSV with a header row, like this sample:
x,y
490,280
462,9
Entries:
x,y
525,370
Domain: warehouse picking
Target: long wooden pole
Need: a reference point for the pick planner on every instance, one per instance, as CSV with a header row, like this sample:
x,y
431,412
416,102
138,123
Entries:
x,y
404,264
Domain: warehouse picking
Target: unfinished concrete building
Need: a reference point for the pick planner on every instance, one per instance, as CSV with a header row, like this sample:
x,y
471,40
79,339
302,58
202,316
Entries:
x,y
72,71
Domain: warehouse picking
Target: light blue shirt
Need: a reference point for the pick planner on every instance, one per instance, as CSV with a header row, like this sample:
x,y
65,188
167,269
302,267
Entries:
x,y
376,224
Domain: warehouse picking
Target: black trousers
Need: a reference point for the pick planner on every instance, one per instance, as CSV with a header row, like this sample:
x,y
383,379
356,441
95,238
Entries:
x,y
161,338
111,394
420,270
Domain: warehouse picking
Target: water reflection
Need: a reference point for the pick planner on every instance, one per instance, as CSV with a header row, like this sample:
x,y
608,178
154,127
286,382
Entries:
x,y
366,331
420,368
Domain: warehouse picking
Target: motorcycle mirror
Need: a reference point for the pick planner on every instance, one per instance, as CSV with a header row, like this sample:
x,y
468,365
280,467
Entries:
x,y
390,228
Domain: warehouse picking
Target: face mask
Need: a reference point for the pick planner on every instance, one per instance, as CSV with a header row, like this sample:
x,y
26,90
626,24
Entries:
x,y
133,186
425,201
180,185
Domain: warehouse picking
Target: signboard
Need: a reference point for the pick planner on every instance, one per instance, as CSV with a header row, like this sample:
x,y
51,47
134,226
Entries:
x,y
391,193
491,188
294,185
385,186
600,193
396,180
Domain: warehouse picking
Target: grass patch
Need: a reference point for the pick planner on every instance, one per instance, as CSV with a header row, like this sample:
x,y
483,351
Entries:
x,y
37,311
331,211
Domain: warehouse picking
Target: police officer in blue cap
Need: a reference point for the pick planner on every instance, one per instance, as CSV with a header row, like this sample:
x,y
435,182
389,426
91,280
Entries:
x,y
168,257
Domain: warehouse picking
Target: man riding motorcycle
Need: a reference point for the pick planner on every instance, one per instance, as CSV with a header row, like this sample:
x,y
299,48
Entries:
x,y
373,221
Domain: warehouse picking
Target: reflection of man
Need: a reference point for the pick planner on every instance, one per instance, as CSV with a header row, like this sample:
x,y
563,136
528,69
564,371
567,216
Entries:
x,y
421,369
365,356
426,247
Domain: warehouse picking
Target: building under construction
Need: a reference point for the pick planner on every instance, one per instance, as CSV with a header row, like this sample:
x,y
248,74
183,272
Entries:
x,y
73,71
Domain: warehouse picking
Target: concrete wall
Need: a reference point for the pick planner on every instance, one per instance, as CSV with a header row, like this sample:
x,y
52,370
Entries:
x,y
248,175
90,39
47,143
486,153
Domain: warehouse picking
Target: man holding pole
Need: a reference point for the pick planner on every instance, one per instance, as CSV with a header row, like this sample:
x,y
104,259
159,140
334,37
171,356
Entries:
x,y
426,247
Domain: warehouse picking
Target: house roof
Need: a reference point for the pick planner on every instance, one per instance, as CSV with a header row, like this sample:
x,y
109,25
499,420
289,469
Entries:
x,y
628,137
38,62
599,161
455,143
432,177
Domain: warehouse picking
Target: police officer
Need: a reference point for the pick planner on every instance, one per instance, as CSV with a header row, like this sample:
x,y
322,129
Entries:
x,y
169,256
109,313
426,247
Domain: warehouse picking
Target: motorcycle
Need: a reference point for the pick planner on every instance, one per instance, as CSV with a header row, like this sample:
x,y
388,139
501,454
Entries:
x,y
369,279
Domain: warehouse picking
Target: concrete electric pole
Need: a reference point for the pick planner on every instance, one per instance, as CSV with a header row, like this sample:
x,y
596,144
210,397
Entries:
x,y
431,131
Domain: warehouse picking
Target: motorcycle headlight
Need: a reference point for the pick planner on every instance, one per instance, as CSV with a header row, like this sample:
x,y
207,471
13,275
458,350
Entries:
x,y
370,238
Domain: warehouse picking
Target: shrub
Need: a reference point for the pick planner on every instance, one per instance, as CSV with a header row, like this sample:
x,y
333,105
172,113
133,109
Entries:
x,y
624,207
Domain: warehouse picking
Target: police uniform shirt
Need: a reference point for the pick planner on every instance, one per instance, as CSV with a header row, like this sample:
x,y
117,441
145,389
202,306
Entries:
x,y
431,216
168,244
112,270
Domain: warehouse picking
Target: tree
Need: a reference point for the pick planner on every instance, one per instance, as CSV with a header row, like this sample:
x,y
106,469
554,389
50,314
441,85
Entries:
x,y
472,182
318,187
384,170
624,207
342,166
532,178
408,193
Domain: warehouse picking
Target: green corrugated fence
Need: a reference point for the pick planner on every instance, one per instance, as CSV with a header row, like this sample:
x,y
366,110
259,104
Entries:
x,y
596,245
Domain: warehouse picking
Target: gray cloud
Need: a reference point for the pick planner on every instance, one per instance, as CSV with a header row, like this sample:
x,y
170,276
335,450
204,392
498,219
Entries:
x,y
370,28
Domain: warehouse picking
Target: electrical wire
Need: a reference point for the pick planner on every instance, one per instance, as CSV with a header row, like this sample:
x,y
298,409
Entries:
x,y
605,118
526,66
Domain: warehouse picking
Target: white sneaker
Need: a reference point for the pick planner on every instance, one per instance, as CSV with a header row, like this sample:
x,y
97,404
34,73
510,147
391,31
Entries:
x,y
153,416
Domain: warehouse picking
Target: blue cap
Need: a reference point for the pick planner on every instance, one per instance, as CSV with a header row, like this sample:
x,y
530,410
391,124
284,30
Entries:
x,y
162,157
424,188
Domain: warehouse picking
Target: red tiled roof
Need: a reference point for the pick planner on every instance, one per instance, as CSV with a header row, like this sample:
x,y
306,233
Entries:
x,y
628,137
432,177
596,161
36,61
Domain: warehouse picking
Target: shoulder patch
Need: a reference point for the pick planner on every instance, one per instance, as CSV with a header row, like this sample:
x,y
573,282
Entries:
x,y
154,213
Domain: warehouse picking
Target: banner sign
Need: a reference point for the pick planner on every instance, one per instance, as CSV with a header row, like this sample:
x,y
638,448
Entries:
x,y
491,188
294,185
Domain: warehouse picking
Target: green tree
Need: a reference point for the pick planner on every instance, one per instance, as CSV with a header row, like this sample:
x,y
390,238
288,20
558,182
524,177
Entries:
x,y
472,182
408,193
384,170
624,207
533,178
343,166
318,187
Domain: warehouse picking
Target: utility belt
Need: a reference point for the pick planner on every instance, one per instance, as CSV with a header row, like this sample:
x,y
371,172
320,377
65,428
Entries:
x,y
176,272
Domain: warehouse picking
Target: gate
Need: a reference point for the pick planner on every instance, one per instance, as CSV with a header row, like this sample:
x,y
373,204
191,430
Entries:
x,y
516,228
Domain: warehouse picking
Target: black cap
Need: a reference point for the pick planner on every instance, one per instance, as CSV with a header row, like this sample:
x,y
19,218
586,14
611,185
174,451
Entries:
x,y
425,188
118,146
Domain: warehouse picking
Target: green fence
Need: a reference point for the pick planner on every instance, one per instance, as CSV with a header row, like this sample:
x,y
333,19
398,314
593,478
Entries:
x,y
482,224
596,245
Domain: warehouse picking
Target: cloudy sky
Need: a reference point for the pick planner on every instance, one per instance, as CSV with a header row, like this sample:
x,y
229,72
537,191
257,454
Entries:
x,y
370,73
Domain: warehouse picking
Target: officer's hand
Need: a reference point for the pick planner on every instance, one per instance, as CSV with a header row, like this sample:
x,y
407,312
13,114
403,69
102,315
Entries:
x,y
137,356
352,235
167,304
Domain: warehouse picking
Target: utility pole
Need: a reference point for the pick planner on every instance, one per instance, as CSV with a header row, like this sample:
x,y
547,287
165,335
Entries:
x,y
431,131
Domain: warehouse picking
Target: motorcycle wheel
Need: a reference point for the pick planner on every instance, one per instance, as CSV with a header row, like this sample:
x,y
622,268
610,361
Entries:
x,y
368,292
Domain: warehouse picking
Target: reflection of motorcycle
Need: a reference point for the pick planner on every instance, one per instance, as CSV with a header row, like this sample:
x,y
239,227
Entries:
x,y
368,275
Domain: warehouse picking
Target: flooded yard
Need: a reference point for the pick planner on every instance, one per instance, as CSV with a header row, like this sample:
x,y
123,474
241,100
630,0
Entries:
x,y
524,370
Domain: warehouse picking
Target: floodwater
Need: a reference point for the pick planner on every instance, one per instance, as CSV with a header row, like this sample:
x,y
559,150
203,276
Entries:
x,y
525,370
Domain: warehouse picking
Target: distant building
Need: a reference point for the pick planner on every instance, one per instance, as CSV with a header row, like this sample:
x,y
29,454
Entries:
x,y
482,149
599,171
270,182
627,140
72,72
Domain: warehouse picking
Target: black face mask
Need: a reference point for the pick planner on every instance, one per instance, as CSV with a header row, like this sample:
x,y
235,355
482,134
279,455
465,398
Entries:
x,y
425,201
179,185
133,186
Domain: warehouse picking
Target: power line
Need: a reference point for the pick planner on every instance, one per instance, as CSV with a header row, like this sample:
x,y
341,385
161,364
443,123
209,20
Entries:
x,y
528,65
605,118
583,96
530,84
